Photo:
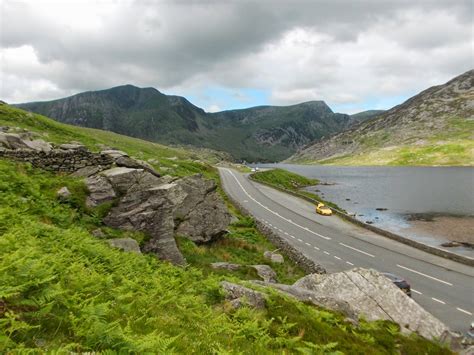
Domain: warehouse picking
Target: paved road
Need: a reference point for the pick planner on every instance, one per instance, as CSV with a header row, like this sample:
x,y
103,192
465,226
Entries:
x,y
443,287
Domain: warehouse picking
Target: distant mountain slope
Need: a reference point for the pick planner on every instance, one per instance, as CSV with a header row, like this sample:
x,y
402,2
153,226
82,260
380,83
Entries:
x,y
365,115
434,127
266,133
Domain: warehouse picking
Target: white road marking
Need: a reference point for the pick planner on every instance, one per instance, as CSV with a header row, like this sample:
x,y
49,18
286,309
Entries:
x,y
338,258
417,292
437,300
358,250
271,211
348,262
428,276
271,225
299,240
316,248
325,252
308,244
285,233
464,311
292,236
246,201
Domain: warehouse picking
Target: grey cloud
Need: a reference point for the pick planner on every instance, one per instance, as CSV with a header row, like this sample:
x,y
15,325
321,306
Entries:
x,y
171,43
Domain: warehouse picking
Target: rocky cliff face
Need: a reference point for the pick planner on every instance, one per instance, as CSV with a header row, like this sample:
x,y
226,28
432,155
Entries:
x,y
439,114
266,133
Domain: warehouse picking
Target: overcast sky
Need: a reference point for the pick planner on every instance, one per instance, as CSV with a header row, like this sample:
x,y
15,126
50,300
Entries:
x,y
355,55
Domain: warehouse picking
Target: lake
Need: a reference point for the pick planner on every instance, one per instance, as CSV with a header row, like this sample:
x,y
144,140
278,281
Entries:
x,y
413,197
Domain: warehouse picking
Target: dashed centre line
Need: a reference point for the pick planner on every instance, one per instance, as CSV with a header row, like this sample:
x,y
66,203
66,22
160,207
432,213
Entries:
x,y
348,262
428,276
308,244
327,253
464,311
437,300
358,250
336,257
417,292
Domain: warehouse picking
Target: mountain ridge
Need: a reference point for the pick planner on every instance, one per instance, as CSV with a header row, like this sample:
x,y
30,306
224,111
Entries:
x,y
433,127
260,133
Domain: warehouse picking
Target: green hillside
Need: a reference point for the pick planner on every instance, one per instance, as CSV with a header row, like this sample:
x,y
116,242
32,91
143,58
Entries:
x,y
65,291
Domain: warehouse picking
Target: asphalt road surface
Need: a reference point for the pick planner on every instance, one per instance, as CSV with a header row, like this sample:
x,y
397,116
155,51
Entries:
x,y
443,287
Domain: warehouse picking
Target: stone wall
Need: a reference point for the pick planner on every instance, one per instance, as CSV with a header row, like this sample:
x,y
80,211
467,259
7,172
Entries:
x,y
59,160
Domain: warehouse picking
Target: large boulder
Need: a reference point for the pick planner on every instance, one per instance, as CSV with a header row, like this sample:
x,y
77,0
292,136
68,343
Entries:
x,y
151,211
39,145
265,272
199,211
374,296
124,179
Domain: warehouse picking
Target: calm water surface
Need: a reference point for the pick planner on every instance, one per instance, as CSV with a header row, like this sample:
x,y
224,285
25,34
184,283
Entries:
x,y
402,190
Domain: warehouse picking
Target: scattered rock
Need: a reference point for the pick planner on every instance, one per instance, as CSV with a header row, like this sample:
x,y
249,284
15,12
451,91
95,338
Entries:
x,y
240,295
225,266
63,193
125,244
98,233
72,146
348,199
273,257
369,222
266,273
114,154
381,209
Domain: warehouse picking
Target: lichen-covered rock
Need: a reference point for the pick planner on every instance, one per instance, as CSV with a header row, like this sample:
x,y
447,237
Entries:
x,y
125,244
375,297
240,295
12,141
136,164
72,146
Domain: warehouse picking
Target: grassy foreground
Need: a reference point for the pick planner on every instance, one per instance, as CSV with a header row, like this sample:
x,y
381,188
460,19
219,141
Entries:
x,y
63,290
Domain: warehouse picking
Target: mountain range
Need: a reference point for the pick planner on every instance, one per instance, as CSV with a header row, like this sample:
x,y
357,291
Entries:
x,y
435,127
263,133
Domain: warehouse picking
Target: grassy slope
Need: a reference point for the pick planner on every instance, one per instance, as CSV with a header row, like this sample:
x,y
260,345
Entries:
x,y
452,147
63,289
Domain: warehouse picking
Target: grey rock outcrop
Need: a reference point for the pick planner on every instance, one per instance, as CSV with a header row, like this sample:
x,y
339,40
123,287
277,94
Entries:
x,y
375,297
239,296
189,206
125,244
